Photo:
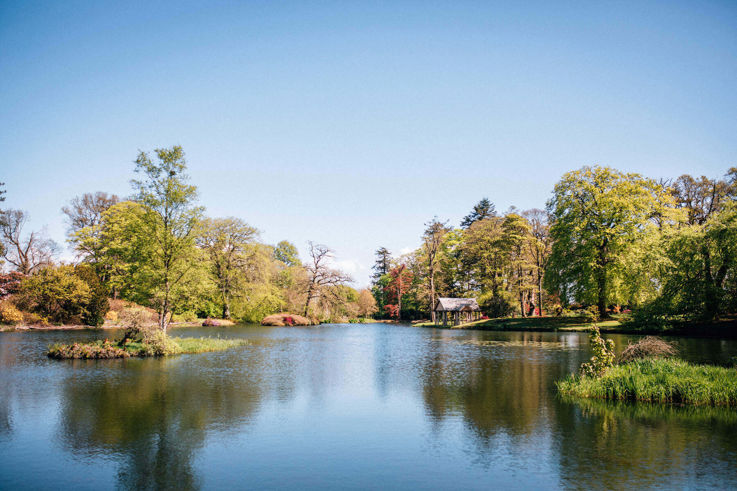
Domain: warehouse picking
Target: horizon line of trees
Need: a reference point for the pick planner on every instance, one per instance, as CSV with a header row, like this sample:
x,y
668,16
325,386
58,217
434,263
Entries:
x,y
607,242
158,249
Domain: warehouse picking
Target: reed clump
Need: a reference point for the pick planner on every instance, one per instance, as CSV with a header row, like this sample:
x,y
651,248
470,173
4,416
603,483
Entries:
x,y
658,380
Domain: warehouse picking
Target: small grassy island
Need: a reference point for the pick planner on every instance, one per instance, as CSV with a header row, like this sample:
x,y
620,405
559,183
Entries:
x,y
141,339
173,346
646,371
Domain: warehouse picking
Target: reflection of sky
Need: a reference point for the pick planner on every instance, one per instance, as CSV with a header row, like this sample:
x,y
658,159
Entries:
x,y
342,406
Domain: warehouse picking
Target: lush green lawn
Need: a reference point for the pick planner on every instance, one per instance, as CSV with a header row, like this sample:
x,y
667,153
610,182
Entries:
x,y
163,347
534,324
658,380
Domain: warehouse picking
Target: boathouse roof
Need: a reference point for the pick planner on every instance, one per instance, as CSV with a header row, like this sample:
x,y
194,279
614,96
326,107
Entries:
x,y
456,304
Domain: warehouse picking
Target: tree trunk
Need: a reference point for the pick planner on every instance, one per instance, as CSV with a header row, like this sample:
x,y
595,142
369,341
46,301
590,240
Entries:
x,y
309,298
522,307
399,297
711,298
539,294
432,296
602,300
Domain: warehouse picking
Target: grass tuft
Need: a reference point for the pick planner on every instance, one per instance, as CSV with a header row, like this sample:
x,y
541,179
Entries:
x,y
658,380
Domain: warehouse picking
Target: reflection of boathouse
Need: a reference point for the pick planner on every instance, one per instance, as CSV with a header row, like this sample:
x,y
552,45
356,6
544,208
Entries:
x,y
456,310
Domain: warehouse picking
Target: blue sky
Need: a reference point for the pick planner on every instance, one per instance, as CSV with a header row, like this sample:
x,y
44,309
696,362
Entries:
x,y
353,123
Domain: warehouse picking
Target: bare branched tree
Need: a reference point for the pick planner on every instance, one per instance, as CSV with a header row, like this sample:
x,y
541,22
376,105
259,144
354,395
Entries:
x,y
320,276
86,210
27,254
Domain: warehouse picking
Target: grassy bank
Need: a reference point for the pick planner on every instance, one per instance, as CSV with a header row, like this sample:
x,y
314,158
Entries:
x,y
534,324
170,346
725,328
658,380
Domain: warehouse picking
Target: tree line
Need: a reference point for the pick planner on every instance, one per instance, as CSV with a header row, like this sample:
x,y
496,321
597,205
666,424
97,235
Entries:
x,y
607,241
158,249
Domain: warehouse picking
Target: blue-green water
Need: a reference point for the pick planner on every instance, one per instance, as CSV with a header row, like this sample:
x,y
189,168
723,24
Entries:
x,y
346,406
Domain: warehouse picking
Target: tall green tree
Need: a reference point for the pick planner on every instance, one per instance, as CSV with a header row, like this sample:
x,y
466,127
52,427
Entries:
x,y
432,241
380,277
118,249
226,241
169,221
538,245
287,253
598,213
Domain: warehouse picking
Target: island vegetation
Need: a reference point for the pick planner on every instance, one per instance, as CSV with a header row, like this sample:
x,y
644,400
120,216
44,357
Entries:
x,y
141,338
649,371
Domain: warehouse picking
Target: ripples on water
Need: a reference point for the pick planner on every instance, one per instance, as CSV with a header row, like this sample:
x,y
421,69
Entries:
x,y
349,406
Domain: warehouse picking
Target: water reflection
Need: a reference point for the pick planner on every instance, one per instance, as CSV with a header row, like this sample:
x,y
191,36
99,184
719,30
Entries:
x,y
345,404
152,416
639,445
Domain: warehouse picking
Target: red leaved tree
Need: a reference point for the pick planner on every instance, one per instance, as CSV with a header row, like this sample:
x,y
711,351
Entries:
x,y
401,280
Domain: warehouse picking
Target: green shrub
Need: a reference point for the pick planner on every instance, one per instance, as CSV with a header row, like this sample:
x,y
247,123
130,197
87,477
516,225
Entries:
x,y
55,293
97,305
496,306
188,316
9,313
603,358
137,322
157,343
651,316
591,314
31,319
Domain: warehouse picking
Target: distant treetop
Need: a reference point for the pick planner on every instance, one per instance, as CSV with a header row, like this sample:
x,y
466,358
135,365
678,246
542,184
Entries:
x,y
482,209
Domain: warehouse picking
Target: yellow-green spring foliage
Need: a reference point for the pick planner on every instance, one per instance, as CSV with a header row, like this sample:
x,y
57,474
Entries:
x,y
603,357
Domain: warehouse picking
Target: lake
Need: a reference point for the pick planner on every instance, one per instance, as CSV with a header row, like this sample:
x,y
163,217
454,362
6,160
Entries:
x,y
347,406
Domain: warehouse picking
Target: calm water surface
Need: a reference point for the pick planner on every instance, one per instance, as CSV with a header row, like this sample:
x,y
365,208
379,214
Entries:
x,y
346,406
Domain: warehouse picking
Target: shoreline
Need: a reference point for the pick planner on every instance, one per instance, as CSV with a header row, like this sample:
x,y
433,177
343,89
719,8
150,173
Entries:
x,y
81,327
723,329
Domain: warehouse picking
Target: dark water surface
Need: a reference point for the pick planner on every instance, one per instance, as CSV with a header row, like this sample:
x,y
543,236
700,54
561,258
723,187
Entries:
x,y
346,406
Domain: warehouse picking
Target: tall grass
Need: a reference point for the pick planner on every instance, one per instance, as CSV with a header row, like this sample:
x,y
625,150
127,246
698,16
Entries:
x,y
165,346
201,345
658,380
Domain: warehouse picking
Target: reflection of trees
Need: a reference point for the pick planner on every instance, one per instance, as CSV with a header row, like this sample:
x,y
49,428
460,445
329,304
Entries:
x,y
497,388
605,444
502,387
7,362
156,413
